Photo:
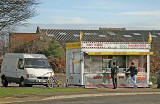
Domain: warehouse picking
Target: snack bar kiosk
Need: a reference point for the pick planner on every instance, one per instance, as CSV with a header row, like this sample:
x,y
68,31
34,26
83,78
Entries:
x,y
89,63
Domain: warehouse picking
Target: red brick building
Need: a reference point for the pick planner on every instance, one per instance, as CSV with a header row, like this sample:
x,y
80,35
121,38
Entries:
x,y
18,39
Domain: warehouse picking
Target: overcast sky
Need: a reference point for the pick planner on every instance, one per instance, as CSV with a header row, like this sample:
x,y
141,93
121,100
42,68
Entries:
x,y
132,14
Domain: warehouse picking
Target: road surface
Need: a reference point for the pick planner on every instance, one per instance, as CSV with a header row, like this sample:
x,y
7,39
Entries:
x,y
123,99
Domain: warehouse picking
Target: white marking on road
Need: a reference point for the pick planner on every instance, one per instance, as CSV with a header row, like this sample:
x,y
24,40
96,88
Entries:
x,y
100,94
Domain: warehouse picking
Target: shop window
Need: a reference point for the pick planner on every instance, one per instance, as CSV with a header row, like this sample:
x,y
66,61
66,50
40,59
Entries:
x,y
106,62
92,64
96,64
139,61
121,61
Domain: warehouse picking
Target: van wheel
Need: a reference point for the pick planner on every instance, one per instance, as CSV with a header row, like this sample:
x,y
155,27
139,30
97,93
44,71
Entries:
x,y
4,82
22,83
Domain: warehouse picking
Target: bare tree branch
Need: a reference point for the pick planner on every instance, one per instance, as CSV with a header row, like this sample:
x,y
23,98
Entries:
x,y
15,11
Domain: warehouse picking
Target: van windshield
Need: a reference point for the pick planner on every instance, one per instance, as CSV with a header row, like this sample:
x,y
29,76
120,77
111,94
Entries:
x,y
36,63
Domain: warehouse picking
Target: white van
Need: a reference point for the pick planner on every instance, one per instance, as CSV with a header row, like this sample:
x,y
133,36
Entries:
x,y
25,69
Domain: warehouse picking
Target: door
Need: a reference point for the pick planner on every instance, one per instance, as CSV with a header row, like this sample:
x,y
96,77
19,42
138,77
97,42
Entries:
x,y
76,68
76,63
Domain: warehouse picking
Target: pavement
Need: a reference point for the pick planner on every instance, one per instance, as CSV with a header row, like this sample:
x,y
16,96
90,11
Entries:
x,y
68,95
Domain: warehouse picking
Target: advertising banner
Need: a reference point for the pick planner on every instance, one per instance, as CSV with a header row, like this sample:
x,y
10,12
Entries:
x,y
116,45
105,80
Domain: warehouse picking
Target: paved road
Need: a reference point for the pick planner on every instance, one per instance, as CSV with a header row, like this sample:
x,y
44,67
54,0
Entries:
x,y
129,99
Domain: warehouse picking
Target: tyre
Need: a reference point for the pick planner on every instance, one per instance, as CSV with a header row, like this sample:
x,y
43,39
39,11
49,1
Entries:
x,y
22,83
4,82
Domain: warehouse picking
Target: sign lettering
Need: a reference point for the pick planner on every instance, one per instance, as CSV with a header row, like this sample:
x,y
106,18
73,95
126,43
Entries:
x,y
97,77
114,45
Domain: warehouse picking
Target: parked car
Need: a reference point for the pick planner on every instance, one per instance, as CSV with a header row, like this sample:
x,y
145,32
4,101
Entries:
x,y
25,69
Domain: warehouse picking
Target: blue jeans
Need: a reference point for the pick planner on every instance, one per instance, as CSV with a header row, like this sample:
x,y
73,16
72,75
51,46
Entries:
x,y
133,80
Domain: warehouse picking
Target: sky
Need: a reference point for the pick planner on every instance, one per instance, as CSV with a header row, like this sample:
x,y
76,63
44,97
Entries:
x,y
131,14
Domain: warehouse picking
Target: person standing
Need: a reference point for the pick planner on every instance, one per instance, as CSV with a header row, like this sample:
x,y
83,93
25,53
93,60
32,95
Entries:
x,y
114,72
133,71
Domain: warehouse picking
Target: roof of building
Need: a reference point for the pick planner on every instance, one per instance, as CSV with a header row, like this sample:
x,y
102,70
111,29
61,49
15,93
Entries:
x,y
102,35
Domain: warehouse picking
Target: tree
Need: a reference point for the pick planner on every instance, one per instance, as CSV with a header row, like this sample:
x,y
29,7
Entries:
x,y
55,49
15,11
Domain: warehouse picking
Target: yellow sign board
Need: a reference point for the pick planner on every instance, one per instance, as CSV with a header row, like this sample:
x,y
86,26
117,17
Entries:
x,y
120,53
73,45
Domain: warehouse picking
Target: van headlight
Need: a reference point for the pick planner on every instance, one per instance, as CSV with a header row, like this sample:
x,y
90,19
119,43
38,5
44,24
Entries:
x,y
30,76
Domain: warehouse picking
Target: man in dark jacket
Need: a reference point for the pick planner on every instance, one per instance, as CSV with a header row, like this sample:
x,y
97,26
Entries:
x,y
114,72
133,72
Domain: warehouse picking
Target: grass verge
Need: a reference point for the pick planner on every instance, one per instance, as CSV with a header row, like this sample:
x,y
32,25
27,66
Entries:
x,y
26,90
